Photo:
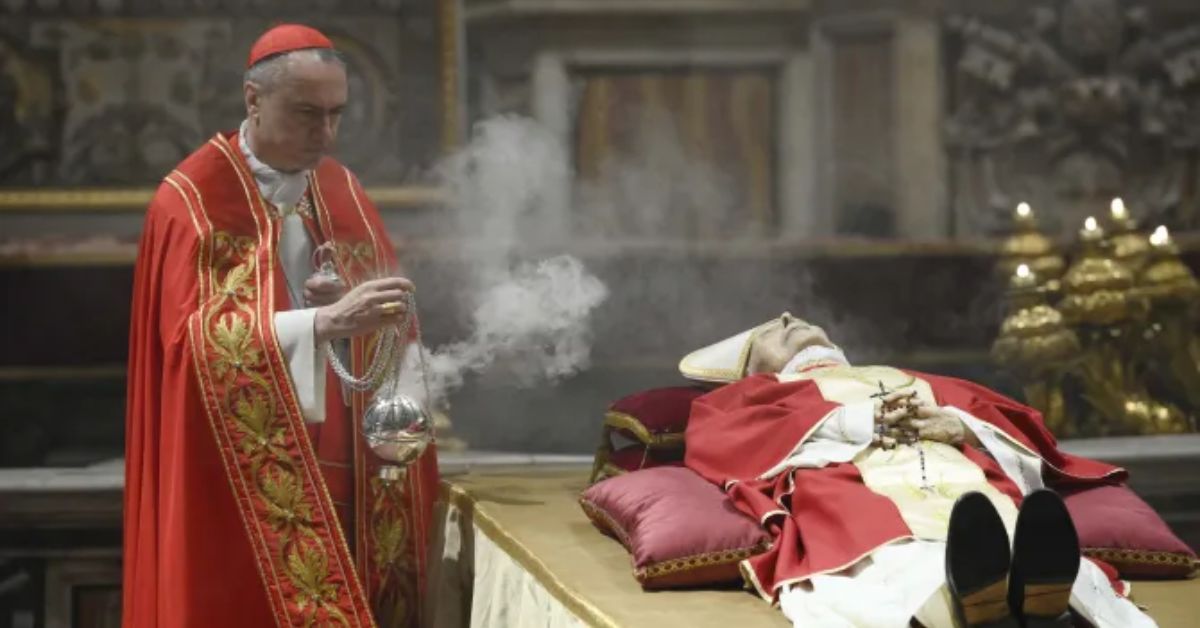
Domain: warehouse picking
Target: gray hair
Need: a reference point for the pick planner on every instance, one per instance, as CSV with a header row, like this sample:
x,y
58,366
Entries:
x,y
267,73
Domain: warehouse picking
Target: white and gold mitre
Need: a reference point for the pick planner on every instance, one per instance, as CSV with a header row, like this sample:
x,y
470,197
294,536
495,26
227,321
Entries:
x,y
724,361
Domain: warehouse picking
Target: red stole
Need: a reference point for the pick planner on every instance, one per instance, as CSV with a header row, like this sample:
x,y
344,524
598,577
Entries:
x,y
231,511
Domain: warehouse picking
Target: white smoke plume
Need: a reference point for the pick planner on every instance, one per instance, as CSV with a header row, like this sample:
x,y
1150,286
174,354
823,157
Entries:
x,y
531,320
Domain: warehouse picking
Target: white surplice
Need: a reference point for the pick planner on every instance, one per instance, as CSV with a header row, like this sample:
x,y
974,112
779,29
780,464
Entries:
x,y
293,327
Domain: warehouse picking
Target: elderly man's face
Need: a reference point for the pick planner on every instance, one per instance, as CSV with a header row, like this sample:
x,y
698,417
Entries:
x,y
780,342
295,122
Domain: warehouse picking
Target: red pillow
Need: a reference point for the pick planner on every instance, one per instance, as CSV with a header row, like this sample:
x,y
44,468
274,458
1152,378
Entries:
x,y
656,417
680,529
1116,526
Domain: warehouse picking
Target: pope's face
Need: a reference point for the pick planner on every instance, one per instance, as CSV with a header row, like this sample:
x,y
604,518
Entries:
x,y
294,124
780,341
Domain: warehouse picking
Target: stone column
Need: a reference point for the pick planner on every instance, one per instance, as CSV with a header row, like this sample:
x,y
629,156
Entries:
x,y
920,162
798,201
551,101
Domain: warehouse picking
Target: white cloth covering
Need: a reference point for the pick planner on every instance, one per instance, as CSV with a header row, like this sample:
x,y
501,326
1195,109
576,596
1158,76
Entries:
x,y
506,594
294,327
473,581
900,581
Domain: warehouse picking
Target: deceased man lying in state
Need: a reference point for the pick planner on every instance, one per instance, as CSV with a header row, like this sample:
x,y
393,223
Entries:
x,y
892,495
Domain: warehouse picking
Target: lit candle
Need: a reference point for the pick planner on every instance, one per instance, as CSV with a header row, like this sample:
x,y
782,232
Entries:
x,y
1023,277
1023,217
1119,212
1161,237
1091,230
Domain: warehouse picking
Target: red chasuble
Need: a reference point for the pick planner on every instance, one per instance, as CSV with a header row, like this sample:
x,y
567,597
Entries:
x,y
236,512
825,519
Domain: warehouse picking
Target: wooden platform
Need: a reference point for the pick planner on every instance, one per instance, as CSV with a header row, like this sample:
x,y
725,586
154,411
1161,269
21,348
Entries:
x,y
531,512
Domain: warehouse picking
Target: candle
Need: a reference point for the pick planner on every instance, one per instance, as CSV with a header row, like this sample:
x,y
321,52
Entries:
x,y
1119,212
1161,237
1023,277
1091,230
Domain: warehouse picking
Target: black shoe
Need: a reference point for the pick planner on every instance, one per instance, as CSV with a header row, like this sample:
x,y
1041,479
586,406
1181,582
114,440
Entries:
x,y
977,559
1045,562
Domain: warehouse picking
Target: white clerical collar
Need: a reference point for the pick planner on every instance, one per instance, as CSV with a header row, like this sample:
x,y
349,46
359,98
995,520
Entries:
x,y
283,189
812,355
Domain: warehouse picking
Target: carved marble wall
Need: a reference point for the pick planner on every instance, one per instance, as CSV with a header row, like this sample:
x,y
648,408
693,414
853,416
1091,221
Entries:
x,y
910,120
1068,104
115,92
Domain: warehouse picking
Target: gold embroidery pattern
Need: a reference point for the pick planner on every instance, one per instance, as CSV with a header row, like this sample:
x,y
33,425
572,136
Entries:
x,y
250,420
1121,558
390,541
359,254
698,561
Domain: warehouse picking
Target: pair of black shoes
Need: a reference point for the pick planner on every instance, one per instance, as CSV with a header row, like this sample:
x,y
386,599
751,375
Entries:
x,y
1029,586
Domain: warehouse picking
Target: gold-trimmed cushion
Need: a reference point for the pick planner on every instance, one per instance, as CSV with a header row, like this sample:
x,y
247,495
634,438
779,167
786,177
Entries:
x,y
679,529
1118,527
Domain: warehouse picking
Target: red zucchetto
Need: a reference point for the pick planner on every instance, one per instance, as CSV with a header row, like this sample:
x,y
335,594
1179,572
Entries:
x,y
286,38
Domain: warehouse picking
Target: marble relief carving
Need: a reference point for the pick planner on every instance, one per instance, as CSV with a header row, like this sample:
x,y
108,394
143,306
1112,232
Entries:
x,y
143,7
134,97
27,101
1084,101
118,102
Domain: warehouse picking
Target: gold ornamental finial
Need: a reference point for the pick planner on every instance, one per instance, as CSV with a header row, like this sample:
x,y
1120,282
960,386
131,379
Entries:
x,y
1028,246
1033,336
1165,278
1127,245
1096,287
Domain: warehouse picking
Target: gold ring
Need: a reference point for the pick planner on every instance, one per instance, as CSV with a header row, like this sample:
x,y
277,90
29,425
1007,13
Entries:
x,y
390,308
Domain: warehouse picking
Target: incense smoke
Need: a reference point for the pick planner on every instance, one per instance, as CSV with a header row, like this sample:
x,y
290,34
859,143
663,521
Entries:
x,y
531,319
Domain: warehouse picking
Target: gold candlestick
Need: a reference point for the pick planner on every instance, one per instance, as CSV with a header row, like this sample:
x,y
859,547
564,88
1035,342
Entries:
x,y
1128,246
1029,246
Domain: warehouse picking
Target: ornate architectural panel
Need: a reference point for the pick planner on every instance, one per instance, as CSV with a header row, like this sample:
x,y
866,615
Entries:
x,y
1081,101
89,100
269,8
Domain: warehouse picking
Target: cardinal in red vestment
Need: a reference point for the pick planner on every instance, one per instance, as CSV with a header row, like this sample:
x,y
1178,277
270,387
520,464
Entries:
x,y
856,471
251,497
